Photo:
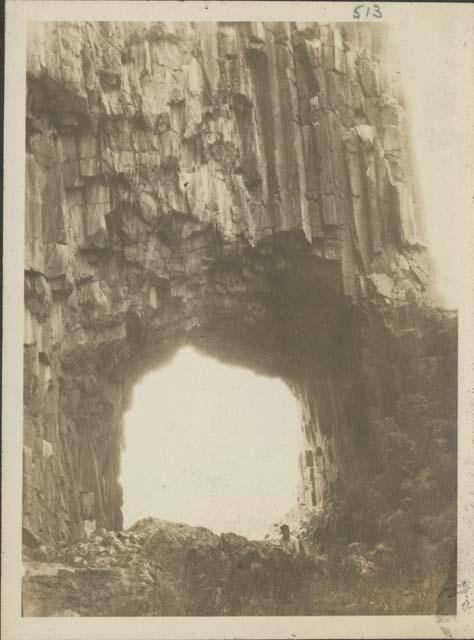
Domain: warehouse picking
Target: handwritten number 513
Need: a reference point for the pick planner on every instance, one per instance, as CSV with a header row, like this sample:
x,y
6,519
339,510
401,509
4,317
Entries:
x,y
373,10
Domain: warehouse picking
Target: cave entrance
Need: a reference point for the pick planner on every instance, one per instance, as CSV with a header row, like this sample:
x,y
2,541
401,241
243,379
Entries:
x,y
210,444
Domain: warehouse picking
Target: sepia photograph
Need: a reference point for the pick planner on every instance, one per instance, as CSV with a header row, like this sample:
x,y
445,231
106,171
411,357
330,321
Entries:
x,y
239,317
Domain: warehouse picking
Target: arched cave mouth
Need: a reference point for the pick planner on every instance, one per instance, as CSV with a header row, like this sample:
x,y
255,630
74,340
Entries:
x,y
211,444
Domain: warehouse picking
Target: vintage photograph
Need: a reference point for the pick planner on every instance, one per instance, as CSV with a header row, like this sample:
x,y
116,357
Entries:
x,y
240,376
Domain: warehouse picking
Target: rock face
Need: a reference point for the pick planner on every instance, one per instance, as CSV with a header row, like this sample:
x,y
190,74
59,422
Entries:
x,y
246,188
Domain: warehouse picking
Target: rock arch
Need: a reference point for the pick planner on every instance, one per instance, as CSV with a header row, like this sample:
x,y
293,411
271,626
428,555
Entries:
x,y
245,188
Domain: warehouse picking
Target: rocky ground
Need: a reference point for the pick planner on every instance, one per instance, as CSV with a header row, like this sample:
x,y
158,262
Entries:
x,y
159,568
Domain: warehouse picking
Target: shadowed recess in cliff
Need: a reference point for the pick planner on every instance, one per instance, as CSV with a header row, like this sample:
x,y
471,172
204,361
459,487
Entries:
x,y
211,445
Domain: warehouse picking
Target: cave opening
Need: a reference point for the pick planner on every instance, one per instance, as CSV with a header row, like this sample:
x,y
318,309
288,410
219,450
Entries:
x,y
213,445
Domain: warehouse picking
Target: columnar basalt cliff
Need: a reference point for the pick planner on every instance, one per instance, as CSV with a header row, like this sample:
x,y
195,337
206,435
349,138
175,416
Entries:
x,y
247,188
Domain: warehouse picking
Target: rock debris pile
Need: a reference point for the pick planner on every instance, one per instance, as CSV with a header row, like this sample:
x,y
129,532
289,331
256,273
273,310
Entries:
x,y
160,568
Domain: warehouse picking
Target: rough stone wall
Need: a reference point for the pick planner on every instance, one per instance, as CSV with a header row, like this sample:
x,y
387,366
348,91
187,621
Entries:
x,y
244,187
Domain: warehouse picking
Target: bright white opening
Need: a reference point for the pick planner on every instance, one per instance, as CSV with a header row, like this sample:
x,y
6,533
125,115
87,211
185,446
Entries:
x,y
211,445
